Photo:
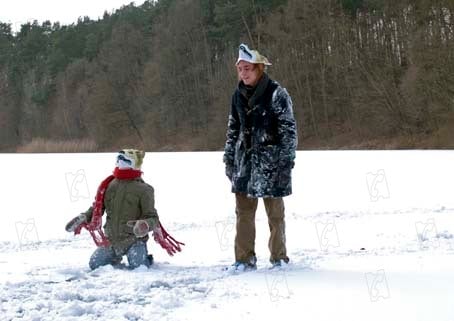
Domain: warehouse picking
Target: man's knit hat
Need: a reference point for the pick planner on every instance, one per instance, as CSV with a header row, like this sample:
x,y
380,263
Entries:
x,y
251,56
130,159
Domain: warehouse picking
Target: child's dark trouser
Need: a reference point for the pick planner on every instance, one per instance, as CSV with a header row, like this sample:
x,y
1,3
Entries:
x,y
137,255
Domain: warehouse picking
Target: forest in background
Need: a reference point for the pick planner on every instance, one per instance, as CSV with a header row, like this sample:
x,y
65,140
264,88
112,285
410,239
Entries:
x,y
159,76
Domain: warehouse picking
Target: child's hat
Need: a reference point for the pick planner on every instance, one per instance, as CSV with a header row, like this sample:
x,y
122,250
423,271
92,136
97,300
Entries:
x,y
130,159
252,56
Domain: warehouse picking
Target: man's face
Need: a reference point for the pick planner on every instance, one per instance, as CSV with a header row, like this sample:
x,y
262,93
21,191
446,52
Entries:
x,y
248,73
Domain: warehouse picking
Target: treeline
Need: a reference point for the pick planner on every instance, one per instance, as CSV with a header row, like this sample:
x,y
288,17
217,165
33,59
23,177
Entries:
x,y
159,76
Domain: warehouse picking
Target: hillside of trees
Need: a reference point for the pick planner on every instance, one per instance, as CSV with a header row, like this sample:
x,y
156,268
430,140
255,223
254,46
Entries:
x,y
361,73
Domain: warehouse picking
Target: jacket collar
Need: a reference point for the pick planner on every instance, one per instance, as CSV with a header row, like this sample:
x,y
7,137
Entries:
x,y
252,94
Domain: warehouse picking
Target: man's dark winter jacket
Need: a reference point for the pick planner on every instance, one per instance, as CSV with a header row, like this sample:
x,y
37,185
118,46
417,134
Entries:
x,y
261,140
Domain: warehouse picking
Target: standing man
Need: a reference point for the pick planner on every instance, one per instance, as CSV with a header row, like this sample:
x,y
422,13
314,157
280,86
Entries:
x,y
259,156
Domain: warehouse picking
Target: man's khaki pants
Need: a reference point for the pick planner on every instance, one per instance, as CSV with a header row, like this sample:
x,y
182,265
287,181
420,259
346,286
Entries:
x,y
245,227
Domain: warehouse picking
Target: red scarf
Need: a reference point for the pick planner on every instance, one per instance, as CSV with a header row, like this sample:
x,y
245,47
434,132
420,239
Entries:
x,y
126,173
95,225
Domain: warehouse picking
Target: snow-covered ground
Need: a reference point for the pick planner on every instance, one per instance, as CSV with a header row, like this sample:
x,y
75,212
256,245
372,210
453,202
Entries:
x,y
369,234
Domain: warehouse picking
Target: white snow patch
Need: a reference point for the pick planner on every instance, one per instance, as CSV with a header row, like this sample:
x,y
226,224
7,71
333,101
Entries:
x,y
369,234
